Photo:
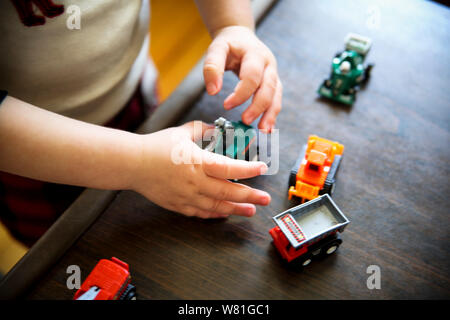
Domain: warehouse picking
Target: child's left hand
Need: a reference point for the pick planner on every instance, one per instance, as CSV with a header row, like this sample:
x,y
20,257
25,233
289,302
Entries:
x,y
237,48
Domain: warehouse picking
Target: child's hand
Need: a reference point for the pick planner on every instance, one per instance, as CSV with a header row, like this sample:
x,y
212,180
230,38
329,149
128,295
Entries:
x,y
238,49
200,190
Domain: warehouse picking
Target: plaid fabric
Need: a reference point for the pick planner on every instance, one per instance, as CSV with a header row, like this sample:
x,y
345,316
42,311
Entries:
x,y
29,207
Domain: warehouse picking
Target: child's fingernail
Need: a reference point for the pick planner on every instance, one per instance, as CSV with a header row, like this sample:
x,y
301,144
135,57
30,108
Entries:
x,y
227,104
264,130
211,88
251,210
265,199
263,169
272,126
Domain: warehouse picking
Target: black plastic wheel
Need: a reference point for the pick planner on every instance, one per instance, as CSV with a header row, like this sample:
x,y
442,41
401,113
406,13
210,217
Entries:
x,y
292,178
330,248
303,261
129,293
367,72
296,166
328,187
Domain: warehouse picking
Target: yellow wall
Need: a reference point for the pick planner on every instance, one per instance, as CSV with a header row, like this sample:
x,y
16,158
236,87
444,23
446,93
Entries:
x,y
10,250
178,40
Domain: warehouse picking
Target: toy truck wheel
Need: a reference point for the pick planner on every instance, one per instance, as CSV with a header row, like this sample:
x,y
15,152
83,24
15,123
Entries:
x,y
129,293
303,261
306,262
367,73
368,70
330,248
327,83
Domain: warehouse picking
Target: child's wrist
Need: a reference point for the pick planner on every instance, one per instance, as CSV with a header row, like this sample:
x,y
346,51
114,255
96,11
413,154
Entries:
x,y
137,159
222,29
126,165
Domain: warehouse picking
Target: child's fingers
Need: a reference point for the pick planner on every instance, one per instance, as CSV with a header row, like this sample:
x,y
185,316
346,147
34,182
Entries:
x,y
192,211
196,129
222,167
268,120
225,207
235,192
214,66
263,97
251,75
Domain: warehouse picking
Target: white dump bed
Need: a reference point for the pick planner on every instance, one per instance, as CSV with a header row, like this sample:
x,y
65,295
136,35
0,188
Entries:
x,y
311,220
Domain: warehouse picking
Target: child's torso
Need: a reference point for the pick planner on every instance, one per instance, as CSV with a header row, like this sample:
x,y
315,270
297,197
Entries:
x,y
78,58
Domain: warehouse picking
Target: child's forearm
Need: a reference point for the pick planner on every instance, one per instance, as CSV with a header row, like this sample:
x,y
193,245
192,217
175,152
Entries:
x,y
42,145
39,144
219,14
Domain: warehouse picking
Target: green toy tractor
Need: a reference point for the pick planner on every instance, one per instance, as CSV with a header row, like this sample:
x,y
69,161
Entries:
x,y
235,140
347,70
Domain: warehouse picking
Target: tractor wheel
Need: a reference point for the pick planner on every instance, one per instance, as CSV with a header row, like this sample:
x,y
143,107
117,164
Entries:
x,y
292,178
129,293
330,181
328,187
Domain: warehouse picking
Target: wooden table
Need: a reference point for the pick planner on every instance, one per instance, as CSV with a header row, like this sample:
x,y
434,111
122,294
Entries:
x,y
393,184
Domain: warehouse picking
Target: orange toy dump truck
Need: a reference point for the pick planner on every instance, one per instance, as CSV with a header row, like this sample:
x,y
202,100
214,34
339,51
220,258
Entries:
x,y
314,172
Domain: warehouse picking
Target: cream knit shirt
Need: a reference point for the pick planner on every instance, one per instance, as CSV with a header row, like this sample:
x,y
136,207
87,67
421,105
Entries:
x,y
87,73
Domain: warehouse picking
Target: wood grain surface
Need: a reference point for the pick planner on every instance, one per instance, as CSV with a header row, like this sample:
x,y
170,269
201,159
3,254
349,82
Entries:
x,y
393,182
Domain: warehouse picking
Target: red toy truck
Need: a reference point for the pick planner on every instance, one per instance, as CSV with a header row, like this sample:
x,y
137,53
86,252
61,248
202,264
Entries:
x,y
110,280
309,230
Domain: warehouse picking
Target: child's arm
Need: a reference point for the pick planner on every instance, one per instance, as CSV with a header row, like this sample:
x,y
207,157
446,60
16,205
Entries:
x,y
42,145
236,47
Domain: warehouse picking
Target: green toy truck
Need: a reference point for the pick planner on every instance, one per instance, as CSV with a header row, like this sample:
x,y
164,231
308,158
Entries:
x,y
347,70
235,140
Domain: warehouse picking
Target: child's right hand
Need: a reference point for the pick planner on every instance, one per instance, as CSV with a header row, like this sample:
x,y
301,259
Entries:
x,y
201,189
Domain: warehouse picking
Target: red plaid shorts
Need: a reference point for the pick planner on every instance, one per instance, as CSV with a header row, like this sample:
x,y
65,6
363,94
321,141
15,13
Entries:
x,y
29,207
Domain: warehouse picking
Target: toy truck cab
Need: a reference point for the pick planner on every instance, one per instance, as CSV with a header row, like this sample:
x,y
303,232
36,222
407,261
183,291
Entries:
x,y
235,140
315,170
109,280
347,70
309,230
